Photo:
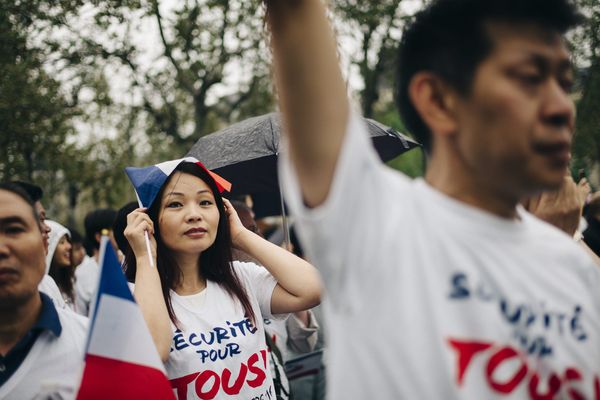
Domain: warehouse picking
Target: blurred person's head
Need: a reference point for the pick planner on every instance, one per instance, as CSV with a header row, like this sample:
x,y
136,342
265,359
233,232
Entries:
x,y
95,222
36,193
121,223
22,249
246,216
484,85
77,247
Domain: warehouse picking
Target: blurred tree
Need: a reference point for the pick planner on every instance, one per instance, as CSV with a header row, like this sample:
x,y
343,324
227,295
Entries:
x,y
35,116
376,26
586,43
83,92
207,66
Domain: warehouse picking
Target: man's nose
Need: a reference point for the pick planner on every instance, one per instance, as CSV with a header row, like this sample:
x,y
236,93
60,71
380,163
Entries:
x,y
194,213
559,108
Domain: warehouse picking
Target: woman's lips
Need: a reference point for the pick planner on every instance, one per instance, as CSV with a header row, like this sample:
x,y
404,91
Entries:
x,y
195,233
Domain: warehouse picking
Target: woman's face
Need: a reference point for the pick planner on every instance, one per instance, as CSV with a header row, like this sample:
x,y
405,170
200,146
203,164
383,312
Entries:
x,y
62,254
188,216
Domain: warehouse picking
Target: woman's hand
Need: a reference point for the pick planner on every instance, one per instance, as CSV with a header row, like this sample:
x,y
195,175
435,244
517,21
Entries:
x,y
236,227
138,222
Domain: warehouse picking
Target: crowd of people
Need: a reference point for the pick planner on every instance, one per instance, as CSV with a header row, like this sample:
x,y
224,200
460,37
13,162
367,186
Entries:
x,y
479,280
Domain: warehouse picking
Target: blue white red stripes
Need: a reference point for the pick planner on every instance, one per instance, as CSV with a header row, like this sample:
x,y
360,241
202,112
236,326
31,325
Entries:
x,y
121,359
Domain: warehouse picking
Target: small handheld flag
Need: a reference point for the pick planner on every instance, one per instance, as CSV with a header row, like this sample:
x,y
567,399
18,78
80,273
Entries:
x,y
121,359
148,181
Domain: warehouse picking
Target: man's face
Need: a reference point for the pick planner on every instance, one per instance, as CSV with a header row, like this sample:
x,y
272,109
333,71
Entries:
x,y
516,126
22,255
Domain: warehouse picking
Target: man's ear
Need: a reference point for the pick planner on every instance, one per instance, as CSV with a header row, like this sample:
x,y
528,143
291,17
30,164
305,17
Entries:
x,y
435,103
98,236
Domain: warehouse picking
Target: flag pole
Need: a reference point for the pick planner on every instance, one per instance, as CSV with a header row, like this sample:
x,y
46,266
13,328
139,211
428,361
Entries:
x,y
149,249
146,236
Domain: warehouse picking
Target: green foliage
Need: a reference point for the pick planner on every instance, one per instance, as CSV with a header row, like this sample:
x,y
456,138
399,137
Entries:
x,y
35,118
586,43
62,126
378,25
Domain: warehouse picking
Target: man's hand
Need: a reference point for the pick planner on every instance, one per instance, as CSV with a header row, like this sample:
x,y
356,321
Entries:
x,y
561,208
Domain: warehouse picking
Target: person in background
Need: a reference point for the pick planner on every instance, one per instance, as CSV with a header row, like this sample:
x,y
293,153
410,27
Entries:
x,y
443,287
88,273
47,284
58,262
298,334
120,224
41,346
77,248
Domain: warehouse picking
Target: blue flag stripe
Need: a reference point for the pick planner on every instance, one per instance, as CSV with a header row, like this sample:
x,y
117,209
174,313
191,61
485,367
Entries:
x,y
112,281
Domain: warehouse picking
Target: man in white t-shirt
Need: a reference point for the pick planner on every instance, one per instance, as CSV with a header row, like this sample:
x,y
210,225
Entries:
x,y
41,346
88,273
443,287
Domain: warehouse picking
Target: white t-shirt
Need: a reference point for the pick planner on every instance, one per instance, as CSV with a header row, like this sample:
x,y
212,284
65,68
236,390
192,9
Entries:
x,y
49,287
218,353
53,366
429,298
86,284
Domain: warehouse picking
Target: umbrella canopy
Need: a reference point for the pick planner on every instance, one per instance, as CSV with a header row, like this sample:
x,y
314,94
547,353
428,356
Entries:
x,y
246,155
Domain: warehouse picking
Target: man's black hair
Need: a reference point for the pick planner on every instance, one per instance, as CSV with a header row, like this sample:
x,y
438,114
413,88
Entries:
x,y
19,190
449,39
34,191
95,222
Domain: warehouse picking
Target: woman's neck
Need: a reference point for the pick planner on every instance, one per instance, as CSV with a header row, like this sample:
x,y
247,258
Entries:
x,y
192,280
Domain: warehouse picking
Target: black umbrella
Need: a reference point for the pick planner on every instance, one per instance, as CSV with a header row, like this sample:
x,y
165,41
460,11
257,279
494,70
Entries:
x,y
246,155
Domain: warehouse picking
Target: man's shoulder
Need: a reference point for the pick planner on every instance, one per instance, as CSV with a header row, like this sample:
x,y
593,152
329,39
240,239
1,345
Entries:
x,y
73,322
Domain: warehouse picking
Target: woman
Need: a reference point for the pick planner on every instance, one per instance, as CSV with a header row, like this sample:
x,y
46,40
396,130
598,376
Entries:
x,y
204,311
58,262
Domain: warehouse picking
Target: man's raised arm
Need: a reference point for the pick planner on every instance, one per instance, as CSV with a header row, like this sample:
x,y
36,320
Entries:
x,y
312,91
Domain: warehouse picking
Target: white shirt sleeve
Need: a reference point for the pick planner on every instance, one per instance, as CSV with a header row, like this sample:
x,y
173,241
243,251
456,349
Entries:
x,y
342,234
261,283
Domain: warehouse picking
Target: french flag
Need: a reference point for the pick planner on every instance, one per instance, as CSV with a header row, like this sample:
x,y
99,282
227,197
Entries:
x,y
148,181
121,360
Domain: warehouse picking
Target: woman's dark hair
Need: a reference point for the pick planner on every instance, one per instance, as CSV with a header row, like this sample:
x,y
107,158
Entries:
x,y
94,222
64,276
121,223
215,263
449,38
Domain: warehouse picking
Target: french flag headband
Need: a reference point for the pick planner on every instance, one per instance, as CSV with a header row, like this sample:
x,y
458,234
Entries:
x,y
147,181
